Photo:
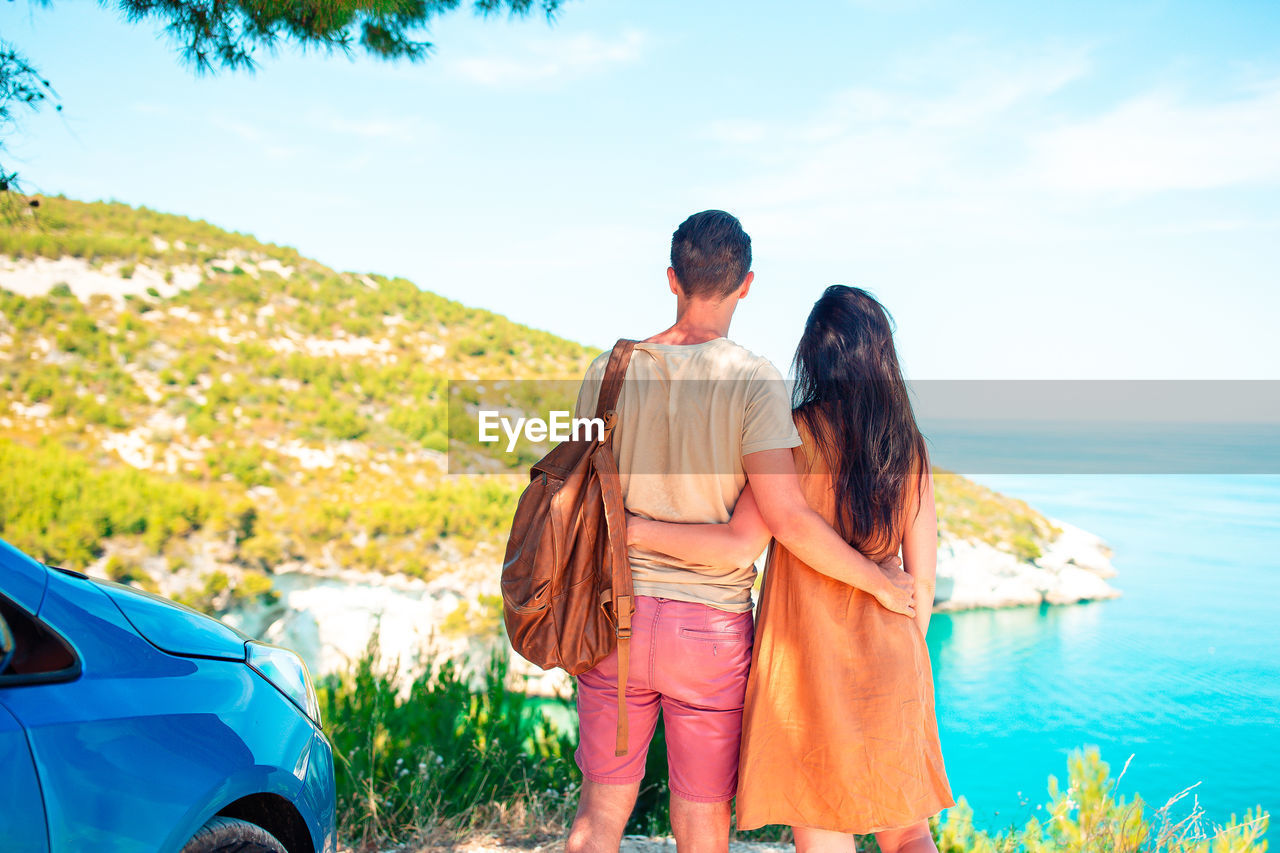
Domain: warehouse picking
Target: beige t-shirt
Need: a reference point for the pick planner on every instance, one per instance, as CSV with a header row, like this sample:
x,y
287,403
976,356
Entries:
x,y
687,416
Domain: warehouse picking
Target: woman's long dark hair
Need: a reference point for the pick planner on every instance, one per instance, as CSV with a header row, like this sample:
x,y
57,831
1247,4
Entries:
x,y
850,395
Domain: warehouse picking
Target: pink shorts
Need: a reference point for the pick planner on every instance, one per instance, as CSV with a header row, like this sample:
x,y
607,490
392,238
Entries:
x,y
690,661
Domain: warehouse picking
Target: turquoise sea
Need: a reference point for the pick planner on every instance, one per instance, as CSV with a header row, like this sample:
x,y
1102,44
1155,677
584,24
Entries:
x,y
1182,673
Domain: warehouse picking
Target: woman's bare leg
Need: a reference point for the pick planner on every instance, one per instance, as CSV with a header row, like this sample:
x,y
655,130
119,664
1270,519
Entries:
x,y
914,838
810,840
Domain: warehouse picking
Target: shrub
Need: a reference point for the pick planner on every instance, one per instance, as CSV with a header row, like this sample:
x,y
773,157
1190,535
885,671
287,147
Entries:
x,y
969,511
219,592
423,423
443,756
1088,817
127,572
254,586
479,618
57,507
265,550
246,465
449,756
1025,548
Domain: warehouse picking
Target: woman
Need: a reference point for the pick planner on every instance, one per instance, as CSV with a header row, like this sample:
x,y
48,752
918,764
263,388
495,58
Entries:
x,y
839,735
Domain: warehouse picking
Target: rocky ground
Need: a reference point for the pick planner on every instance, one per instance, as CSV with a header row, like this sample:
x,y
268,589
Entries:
x,y
1074,567
328,616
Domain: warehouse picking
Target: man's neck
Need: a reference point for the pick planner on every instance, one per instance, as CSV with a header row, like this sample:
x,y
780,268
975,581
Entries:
x,y
697,321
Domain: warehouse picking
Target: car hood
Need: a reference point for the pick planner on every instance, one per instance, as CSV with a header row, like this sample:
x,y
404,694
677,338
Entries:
x,y
174,628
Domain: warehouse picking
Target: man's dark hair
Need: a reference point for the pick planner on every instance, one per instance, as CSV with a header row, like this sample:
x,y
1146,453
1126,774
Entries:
x,y
711,254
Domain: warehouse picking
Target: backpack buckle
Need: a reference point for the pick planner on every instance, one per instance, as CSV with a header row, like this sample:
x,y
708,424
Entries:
x,y
623,611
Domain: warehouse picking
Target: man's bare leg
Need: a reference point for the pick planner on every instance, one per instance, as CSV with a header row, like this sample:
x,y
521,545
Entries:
x,y
699,827
602,816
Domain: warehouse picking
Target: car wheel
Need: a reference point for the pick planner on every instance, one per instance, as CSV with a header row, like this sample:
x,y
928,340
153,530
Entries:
x,y
230,835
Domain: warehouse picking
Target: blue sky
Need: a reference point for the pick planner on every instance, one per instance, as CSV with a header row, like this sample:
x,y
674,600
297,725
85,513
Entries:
x,y
1079,190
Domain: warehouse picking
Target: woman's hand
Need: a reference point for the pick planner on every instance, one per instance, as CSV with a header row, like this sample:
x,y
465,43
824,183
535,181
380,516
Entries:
x,y
635,529
899,594
732,544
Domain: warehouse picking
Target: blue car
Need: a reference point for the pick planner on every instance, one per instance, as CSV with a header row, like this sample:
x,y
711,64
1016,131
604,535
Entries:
x,y
130,723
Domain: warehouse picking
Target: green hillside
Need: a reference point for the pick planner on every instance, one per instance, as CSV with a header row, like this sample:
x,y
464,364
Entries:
x,y
278,408
225,402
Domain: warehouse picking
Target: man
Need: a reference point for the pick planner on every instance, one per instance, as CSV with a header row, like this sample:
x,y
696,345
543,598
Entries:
x,y
698,417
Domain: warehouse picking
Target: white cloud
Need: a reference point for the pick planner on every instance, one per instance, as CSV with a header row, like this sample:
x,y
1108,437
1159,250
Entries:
x,y
384,128
1160,142
736,131
371,135
1003,150
930,92
551,58
253,136
911,137
237,128
150,108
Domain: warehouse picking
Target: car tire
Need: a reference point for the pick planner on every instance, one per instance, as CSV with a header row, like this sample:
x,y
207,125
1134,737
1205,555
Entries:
x,y
231,835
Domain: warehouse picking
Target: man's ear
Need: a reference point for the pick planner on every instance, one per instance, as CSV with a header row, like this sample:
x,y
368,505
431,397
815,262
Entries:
x,y
746,285
673,282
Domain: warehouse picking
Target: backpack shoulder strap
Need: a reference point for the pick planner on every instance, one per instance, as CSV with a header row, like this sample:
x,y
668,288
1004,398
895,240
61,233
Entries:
x,y
614,373
621,596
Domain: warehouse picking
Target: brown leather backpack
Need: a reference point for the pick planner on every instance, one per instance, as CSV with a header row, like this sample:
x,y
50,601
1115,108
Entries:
x,y
566,578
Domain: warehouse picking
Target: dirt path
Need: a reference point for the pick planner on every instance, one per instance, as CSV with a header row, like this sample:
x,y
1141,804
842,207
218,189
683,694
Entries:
x,y
630,844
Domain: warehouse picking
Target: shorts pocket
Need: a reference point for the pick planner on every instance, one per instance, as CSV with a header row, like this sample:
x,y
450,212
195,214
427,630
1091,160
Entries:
x,y
712,636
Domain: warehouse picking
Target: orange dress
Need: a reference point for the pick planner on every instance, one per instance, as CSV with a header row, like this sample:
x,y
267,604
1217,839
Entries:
x,y
839,730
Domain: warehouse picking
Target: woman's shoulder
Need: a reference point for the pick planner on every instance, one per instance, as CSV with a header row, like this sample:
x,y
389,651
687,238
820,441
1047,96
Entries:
x,y
811,464
809,457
